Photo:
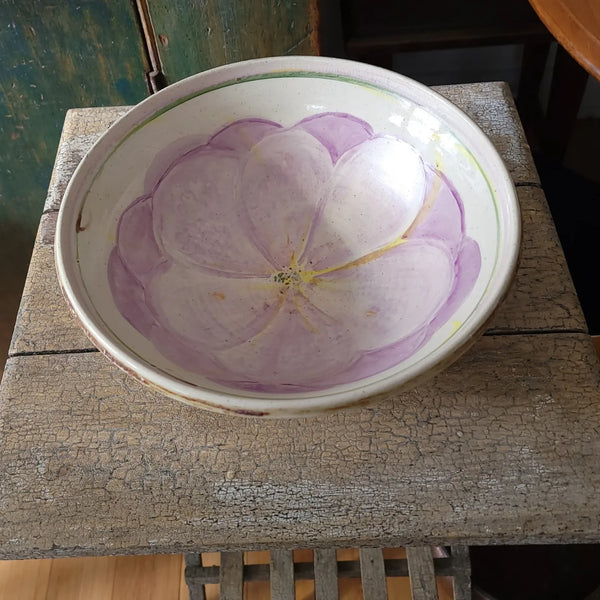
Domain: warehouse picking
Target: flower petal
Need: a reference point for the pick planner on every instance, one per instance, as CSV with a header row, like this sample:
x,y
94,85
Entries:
x,y
387,299
210,312
301,349
135,238
338,132
281,187
376,361
243,134
197,215
376,191
128,294
442,216
467,267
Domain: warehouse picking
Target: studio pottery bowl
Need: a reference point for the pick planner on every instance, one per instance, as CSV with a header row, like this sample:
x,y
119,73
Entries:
x,y
288,236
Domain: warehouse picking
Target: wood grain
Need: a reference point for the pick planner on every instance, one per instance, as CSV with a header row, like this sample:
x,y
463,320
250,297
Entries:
x,y
372,572
461,563
505,455
55,55
282,575
193,36
231,576
74,578
326,579
576,26
24,579
422,574
146,577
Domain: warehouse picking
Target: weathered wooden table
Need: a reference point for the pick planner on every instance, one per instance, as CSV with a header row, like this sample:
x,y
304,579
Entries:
x,y
502,447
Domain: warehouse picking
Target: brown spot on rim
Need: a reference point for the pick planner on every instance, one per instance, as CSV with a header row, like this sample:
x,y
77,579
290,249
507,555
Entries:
x,y
250,413
78,227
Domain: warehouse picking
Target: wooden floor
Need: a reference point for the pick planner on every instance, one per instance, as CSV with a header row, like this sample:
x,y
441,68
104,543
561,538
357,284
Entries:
x,y
161,578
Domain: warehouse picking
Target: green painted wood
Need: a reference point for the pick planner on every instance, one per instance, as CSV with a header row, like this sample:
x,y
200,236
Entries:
x,y
194,36
55,55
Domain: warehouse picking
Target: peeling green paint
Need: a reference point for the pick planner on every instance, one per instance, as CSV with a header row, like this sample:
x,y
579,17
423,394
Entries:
x,y
55,55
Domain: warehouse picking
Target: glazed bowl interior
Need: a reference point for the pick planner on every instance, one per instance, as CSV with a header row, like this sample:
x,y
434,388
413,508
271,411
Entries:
x,y
287,236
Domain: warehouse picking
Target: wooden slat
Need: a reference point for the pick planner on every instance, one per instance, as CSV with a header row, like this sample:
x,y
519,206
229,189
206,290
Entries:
x,y
195,588
282,575
231,576
372,572
511,455
461,563
326,580
421,572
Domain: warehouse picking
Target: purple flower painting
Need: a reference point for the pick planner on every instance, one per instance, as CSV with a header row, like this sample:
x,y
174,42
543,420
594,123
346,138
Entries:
x,y
274,259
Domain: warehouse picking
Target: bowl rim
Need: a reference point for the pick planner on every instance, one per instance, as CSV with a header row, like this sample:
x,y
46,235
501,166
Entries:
x,y
293,405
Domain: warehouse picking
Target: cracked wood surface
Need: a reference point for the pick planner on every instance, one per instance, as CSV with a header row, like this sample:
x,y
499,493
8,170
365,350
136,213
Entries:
x,y
499,448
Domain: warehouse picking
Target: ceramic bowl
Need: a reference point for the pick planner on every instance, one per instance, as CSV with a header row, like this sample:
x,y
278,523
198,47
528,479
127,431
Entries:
x,y
287,236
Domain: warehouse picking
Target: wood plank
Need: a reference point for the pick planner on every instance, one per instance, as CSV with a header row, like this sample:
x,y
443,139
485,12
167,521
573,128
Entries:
x,y
326,580
27,579
507,454
44,321
282,575
421,572
372,572
461,563
76,578
542,296
154,577
231,576
230,32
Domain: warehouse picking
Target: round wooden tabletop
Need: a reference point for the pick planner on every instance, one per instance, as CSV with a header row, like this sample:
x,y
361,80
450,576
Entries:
x,y
576,26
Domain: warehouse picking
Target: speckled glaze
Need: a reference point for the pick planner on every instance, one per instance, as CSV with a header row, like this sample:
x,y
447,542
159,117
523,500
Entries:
x,y
286,236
